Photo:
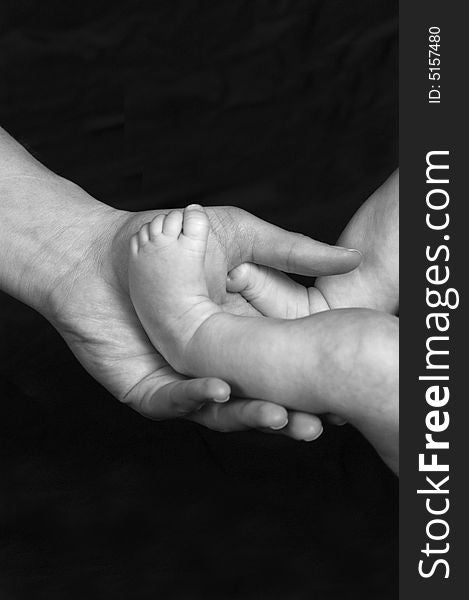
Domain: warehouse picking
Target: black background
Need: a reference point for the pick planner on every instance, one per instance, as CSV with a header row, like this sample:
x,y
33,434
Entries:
x,y
287,109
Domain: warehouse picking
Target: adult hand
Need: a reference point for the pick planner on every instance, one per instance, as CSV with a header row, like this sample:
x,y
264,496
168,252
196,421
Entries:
x,y
65,254
93,312
374,230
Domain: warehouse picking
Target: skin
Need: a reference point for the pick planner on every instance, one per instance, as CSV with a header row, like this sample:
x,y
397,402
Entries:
x,y
374,230
65,254
343,360
374,284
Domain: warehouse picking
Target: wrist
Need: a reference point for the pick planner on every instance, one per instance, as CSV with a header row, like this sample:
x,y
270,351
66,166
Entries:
x,y
51,228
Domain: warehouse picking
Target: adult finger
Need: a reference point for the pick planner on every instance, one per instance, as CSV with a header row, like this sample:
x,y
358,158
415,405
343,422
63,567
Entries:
x,y
269,245
334,419
170,396
300,426
239,415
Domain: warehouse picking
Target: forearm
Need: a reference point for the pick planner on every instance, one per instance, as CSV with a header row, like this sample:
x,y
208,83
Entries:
x,y
47,224
374,230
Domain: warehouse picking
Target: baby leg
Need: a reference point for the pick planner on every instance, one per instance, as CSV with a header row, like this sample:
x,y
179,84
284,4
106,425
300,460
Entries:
x,y
343,361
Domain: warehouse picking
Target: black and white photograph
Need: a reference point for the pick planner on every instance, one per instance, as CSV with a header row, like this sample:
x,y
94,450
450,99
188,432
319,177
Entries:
x,y
199,299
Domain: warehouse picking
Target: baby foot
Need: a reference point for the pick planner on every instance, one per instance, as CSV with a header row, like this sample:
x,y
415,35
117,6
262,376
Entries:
x,y
167,280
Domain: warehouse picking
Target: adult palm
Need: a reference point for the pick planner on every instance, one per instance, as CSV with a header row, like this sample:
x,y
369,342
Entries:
x,y
92,310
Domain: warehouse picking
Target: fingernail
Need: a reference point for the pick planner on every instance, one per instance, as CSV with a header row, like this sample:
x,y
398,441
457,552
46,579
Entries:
x,y
194,206
281,426
222,400
314,437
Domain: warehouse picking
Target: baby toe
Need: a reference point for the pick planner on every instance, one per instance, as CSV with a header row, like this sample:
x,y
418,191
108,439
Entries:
x,y
196,223
144,234
172,224
134,244
156,226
